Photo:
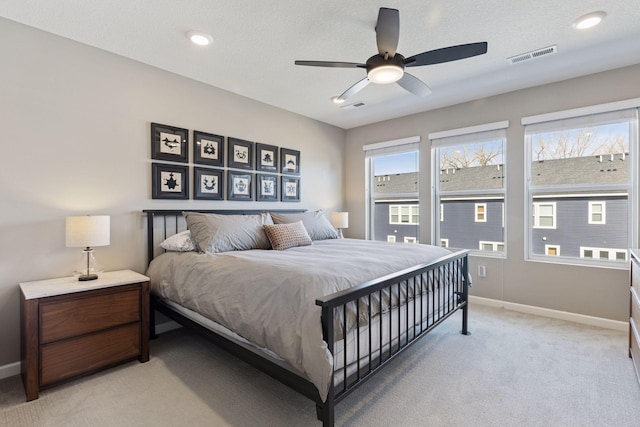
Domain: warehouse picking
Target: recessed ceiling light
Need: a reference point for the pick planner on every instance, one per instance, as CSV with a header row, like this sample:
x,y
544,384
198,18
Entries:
x,y
200,38
589,20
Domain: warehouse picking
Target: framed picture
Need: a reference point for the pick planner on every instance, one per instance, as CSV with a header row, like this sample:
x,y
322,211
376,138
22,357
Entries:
x,y
169,143
290,189
240,154
240,186
289,161
266,157
266,188
208,184
208,149
169,181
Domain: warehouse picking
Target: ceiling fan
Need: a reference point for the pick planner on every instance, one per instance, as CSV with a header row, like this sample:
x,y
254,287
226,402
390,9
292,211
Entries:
x,y
387,66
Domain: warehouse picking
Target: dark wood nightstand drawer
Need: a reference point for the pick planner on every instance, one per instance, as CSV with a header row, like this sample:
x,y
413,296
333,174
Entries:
x,y
68,358
80,314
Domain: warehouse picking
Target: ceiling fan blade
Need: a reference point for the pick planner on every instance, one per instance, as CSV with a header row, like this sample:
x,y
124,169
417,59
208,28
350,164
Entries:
x,y
447,54
387,31
354,89
414,85
331,64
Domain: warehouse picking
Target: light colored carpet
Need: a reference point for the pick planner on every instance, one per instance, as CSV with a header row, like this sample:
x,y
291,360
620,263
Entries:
x,y
514,370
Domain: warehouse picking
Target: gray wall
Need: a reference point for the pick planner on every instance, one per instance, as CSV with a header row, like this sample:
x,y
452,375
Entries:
x,y
74,126
586,290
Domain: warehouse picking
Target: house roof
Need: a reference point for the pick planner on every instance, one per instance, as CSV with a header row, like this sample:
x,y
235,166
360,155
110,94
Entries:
x,y
605,169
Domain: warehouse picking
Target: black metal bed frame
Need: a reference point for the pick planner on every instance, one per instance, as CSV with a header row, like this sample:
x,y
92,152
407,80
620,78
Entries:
x,y
422,297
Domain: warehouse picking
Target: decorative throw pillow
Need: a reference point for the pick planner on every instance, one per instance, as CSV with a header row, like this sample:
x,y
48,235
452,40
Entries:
x,y
285,236
180,242
223,233
316,223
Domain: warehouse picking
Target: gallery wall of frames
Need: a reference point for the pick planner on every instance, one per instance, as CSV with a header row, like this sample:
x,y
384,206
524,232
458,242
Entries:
x,y
224,168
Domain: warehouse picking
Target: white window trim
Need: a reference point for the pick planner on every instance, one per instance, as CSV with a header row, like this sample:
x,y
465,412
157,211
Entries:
x,y
391,238
611,253
556,247
445,241
604,212
408,239
494,245
484,212
536,215
441,211
413,211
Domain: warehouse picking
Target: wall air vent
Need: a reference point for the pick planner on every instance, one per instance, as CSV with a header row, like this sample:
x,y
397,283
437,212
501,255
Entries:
x,y
352,106
533,54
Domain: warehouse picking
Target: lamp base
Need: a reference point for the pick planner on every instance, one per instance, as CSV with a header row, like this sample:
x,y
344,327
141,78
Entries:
x,y
86,277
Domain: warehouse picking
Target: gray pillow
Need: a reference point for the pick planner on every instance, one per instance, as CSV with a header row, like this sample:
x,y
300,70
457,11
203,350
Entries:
x,y
223,233
317,225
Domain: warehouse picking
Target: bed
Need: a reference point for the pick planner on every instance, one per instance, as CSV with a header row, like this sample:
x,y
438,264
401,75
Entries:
x,y
322,316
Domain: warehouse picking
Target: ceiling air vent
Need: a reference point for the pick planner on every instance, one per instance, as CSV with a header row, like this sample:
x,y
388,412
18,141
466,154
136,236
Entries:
x,y
533,54
352,106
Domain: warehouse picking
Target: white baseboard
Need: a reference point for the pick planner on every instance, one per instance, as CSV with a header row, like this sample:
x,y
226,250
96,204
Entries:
x,y
554,314
9,370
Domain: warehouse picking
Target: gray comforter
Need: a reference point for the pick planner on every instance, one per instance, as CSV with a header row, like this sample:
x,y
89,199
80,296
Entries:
x,y
268,297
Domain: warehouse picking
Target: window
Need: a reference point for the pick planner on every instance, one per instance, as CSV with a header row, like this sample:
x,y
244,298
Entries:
x,y
391,239
553,250
597,213
580,171
491,246
469,188
604,254
481,212
393,208
404,214
408,239
444,243
544,215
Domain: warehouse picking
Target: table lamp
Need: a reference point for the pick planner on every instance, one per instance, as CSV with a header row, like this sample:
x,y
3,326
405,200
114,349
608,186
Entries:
x,y
340,220
87,231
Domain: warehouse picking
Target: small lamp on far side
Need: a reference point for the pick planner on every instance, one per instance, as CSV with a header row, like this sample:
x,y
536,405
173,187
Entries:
x,y
340,220
87,231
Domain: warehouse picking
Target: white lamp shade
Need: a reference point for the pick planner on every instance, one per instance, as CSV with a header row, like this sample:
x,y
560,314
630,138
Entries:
x,y
87,231
340,219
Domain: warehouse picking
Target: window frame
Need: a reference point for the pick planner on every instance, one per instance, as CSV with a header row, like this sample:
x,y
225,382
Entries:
x,y
536,215
414,213
583,118
590,219
477,212
479,134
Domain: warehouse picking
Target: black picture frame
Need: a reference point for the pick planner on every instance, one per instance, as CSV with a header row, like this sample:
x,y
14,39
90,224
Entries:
x,y
208,184
239,153
289,161
266,187
266,157
290,189
169,143
208,148
239,186
169,181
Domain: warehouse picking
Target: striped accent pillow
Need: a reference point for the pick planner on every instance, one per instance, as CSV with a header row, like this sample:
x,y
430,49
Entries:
x,y
285,236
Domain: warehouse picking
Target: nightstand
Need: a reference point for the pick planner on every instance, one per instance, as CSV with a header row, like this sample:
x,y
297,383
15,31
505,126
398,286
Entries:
x,y
71,328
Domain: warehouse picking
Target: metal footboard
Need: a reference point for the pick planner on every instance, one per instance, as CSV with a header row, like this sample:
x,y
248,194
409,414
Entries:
x,y
385,316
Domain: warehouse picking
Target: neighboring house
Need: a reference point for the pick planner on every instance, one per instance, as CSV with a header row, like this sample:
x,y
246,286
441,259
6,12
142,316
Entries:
x,y
396,215
577,224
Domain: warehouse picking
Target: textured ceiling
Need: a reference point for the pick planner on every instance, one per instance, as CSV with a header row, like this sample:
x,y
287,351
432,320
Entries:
x,y
255,44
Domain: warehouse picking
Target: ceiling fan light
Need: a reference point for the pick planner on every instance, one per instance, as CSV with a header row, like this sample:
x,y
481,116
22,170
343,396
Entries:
x,y
589,20
385,74
337,100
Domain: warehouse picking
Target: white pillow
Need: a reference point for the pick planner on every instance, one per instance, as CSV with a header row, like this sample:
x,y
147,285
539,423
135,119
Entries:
x,y
181,242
